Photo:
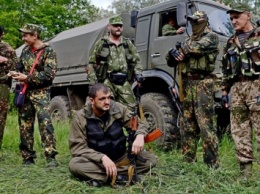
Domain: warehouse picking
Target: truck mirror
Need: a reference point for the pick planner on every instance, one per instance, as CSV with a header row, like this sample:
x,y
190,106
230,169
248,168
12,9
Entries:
x,y
181,13
134,14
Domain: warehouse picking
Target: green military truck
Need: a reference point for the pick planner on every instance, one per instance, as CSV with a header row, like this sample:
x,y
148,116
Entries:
x,y
70,86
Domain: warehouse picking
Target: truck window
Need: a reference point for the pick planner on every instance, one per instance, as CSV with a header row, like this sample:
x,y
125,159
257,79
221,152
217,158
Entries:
x,y
167,18
218,19
142,31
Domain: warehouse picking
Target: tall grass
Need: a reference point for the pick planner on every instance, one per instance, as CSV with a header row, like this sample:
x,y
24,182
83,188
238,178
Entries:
x,y
170,175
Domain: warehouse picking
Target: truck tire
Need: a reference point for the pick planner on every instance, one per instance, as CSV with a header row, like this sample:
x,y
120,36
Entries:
x,y
160,113
59,108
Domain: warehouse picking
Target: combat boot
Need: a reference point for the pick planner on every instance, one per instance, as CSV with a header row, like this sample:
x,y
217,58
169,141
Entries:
x,y
52,162
246,170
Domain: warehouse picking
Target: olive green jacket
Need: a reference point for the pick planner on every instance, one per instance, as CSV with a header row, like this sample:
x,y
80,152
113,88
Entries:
x,y
78,133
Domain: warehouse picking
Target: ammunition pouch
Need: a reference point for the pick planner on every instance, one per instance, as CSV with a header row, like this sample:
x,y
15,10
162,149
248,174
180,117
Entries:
x,y
232,60
117,78
205,63
130,67
254,55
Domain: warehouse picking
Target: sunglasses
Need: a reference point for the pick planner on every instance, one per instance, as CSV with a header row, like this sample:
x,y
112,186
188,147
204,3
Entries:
x,y
117,25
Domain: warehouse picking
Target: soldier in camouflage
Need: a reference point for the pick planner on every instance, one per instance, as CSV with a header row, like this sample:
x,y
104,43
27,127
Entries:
x,y
8,60
241,65
116,63
37,97
168,29
197,60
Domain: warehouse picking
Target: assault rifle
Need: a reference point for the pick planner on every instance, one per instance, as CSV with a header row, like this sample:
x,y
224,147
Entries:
x,y
132,173
131,137
175,100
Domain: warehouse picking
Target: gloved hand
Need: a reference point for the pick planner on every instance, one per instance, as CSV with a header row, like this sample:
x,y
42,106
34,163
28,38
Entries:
x,y
174,53
139,78
224,101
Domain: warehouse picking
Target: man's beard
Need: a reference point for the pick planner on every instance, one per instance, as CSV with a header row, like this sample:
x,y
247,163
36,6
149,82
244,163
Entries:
x,y
116,33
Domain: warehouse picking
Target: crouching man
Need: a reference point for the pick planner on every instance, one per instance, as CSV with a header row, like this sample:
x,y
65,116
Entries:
x,y
98,145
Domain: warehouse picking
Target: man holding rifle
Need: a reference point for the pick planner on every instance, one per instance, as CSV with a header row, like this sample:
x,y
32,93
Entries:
x,y
98,145
196,61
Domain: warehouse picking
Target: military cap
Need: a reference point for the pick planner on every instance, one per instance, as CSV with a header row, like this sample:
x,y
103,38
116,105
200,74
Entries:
x,y
116,20
30,28
198,15
239,7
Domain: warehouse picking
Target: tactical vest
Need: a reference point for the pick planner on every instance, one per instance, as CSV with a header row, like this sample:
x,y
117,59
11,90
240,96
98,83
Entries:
x,y
245,60
111,142
200,63
103,57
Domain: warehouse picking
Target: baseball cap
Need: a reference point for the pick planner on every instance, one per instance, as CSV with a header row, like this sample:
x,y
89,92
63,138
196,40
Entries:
x,y
239,7
197,15
115,20
30,28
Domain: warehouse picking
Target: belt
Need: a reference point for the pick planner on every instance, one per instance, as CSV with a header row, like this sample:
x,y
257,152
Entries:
x,y
243,78
111,74
199,76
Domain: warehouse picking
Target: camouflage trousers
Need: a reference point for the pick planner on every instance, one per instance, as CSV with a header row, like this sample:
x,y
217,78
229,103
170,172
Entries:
x,y
123,94
36,103
4,101
245,116
198,122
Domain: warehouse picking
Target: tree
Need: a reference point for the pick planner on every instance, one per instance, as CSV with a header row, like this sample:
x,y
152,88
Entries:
x,y
53,16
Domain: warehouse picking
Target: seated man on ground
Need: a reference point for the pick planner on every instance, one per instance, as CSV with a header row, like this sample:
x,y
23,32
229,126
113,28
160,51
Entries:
x,y
97,142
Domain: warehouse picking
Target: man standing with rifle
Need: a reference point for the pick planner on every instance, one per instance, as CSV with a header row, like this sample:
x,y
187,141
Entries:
x,y
197,56
98,145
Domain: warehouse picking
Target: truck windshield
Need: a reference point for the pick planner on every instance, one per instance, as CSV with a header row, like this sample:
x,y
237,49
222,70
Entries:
x,y
218,19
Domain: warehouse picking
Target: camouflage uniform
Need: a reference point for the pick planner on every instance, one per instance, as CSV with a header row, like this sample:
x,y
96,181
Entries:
x,y
168,30
8,52
37,99
200,52
243,74
108,58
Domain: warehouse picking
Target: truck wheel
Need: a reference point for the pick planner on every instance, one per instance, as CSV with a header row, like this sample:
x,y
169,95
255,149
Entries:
x,y
59,108
160,113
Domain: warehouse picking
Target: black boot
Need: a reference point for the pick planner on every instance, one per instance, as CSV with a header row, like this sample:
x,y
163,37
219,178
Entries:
x,y
28,161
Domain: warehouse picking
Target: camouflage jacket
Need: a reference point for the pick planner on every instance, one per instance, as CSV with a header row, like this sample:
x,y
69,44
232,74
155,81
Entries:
x,y
78,134
44,71
237,59
7,51
200,55
115,58
168,30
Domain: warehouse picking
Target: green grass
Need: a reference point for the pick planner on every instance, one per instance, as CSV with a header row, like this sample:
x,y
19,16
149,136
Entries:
x,y
170,175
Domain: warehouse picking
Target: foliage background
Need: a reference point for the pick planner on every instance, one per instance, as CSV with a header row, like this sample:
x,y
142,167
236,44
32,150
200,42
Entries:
x,y
55,16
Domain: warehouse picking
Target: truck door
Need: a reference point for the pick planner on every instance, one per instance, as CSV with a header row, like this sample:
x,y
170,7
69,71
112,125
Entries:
x,y
142,39
160,44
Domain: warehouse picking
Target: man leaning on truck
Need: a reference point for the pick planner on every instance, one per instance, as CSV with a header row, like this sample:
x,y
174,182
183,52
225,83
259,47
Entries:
x,y
116,63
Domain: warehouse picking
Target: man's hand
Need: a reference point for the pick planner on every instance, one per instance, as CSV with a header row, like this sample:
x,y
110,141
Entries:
x,y
109,165
3,59
138,144
20,77
180,30
177,55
